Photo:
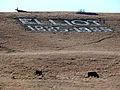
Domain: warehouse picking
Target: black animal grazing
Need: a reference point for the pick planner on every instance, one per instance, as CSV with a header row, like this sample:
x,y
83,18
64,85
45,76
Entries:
x,y
93,74
39,73
20,10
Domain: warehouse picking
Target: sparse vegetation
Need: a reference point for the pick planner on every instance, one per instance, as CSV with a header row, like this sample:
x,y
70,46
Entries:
x,y
33,60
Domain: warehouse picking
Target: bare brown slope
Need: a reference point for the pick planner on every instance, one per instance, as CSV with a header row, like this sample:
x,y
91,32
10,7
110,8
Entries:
x,y
14,36
64,58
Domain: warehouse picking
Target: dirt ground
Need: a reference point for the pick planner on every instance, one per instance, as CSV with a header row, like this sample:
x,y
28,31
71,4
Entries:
x,y
63,58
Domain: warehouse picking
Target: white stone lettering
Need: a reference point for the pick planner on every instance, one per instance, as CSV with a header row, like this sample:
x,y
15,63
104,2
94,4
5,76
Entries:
x,y
80,22
105,29
26,21
54,23
31,28
95,29
50,28
93,22
68,22
40,28
61,29
84,29
64,25
76,29
38,22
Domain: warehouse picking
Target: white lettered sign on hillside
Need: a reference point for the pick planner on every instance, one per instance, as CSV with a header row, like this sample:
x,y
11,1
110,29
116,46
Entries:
x,y
80,25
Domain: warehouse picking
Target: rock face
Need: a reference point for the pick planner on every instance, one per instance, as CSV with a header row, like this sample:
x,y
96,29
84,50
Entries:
x,y
63,57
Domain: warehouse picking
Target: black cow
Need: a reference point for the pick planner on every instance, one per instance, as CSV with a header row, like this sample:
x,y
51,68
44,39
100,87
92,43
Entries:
x,y
20,10
93,74
39,73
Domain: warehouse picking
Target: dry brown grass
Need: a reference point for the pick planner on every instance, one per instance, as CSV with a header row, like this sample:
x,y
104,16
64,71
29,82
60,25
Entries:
x,y
64,58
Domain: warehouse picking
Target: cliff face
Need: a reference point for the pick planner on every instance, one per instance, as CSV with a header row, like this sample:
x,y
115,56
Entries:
x,y
63,45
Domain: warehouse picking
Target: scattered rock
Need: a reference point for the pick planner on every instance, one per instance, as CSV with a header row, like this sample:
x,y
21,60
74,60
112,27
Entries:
x,y
13,77
72,58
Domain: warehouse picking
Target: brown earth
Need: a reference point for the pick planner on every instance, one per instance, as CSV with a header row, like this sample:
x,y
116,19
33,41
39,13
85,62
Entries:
x,y
64,58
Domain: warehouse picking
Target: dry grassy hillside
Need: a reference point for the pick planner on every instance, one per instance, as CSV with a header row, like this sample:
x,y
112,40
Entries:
x,y
63,58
